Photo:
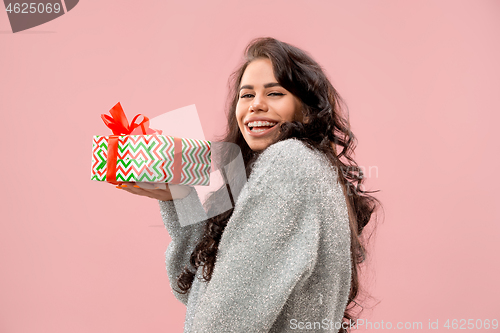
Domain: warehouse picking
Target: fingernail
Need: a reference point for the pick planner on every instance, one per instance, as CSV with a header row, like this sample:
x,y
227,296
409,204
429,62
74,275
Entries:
x,y
123,185
118,186
137,186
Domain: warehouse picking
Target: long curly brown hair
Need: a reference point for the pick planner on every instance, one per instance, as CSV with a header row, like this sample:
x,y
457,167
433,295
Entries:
x,y
327,129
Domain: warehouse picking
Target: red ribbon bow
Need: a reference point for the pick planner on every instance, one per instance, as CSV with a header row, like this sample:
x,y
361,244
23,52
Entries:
x,y
118,123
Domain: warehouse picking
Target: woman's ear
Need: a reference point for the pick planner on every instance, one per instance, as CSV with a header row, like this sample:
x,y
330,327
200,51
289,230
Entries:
x,y
299,111
303,118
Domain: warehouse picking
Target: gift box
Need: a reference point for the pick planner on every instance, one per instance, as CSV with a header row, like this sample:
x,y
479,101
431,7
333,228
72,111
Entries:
x,y
137,153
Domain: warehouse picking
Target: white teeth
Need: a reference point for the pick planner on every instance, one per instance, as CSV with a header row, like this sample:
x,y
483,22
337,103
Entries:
x,y
260,123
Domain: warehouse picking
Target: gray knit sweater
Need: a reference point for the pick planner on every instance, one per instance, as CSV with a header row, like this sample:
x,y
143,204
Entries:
x,y
283,263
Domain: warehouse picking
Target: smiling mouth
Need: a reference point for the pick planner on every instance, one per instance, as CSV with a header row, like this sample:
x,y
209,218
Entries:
x,y
259,129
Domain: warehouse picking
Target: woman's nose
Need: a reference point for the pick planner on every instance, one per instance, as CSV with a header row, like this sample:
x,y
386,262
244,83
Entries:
x,y
258,105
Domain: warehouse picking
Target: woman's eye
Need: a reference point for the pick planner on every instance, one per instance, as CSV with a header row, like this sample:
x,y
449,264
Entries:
x,y
271,94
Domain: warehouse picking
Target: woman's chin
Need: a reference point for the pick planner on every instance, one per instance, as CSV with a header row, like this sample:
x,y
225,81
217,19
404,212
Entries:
x,y
259,144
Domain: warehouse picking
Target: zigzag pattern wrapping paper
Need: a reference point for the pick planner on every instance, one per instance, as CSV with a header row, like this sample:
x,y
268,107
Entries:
x,y
150,158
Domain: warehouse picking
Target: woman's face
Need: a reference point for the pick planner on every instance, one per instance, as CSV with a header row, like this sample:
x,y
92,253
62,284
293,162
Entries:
x,y
263,104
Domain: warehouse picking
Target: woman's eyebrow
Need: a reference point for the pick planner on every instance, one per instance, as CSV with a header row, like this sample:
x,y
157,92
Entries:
x,y
267,85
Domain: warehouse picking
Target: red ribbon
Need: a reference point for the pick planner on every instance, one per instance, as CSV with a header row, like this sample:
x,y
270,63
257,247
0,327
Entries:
x,y
118,123
177,161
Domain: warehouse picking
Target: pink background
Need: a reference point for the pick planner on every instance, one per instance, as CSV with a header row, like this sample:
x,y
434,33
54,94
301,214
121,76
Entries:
x,y
421,79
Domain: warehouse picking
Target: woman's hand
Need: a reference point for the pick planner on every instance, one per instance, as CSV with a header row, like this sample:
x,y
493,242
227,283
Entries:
x,y
170,192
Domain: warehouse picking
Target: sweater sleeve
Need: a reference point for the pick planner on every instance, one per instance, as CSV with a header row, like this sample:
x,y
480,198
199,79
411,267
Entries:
x,y
184,239
269,245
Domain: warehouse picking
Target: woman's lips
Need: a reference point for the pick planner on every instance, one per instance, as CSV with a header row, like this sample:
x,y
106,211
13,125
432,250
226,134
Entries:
x,y
258,134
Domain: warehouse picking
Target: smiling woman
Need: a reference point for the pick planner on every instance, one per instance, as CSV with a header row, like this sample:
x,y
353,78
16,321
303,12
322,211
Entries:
x,y
290,249
263,105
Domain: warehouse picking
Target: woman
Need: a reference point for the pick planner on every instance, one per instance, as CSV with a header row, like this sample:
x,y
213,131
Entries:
x,y
287,256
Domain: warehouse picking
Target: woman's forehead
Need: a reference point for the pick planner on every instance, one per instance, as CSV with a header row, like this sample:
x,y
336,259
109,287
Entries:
x,y
258,73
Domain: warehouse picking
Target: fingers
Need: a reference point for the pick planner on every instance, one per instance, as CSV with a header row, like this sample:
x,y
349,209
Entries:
x,y
133,188
158,194
151,186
